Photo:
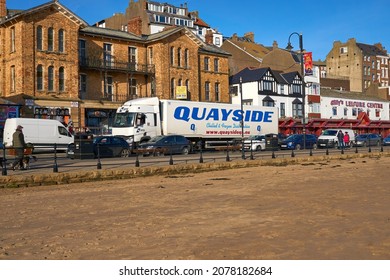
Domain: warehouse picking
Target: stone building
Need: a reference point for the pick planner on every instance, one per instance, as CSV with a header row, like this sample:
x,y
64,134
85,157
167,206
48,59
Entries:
x,y
39,59
60,67
150,17
362,64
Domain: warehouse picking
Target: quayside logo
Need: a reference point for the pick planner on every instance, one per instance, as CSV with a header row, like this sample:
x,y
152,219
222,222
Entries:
x,y
215,114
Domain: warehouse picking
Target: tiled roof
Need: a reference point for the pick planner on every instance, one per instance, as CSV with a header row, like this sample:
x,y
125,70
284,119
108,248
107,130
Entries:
x,y
254,49
326,92
61,8
289,77
200,22
371,50
255,74
110,33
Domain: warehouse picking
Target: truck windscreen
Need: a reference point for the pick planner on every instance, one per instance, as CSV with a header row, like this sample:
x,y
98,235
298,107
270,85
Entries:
x,y
124,119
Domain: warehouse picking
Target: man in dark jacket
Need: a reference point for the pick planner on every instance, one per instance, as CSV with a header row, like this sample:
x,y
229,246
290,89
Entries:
x,y
18,144
340,138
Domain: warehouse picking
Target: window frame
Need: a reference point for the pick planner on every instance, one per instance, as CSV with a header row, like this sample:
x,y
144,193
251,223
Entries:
x,y
50,39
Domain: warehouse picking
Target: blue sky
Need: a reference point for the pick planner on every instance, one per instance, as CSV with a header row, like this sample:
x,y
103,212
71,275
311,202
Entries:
x,y
320,22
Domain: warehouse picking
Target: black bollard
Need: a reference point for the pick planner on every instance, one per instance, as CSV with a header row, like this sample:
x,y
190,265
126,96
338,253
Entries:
x,y
356,150
273,154
137,159
4,164
55,167
170,157
99,164
292,153
369,149
251,156
311,152
227,151
342,150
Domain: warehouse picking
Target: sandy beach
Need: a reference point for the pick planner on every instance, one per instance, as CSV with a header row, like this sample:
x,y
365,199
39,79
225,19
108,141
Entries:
x,y
338,209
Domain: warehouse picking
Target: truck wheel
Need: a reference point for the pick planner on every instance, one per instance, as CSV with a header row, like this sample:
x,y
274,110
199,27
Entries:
x,y
125,153
185,151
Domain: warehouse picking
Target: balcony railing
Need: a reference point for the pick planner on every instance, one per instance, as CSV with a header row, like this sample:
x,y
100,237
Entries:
x,y
117,66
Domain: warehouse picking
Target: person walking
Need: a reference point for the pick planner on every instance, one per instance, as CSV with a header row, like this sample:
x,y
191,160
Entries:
x,y
340,138
18,144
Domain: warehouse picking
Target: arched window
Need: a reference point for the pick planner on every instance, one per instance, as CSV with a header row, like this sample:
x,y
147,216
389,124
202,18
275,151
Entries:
x,y
61,41
186,58
188,90
172,54
217,92
61,79
50,78
39,38
179,57
39,77
50,38
173,88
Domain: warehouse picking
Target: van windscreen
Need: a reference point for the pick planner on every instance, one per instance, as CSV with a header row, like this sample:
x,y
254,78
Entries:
x,y
329,132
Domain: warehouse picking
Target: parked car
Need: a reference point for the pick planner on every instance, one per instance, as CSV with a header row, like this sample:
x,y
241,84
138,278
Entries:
x,y
368,139
106,146
255,143
166,144
386,140
295,142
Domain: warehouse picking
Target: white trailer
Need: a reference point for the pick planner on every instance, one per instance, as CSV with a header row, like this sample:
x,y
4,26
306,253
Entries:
x,y
212,123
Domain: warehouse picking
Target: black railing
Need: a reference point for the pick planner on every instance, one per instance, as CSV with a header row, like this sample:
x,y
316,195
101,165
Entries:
x,y
101,64
59,162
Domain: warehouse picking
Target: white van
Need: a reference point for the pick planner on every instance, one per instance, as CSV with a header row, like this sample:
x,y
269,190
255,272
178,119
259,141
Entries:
x,y
329,139
41,133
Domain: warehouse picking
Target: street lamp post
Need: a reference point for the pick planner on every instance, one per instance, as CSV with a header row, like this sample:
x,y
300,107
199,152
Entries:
x,y
242,121
289,48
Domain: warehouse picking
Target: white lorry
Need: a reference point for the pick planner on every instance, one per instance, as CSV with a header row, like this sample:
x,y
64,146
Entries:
x,y
41,133
212,123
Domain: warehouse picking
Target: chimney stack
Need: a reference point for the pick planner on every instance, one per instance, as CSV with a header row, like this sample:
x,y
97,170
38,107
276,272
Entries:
x,y
135,26
3,9
209,37
250,36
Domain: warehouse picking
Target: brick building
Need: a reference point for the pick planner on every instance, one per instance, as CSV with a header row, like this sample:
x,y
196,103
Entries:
x,y
59,67
39,56
362,64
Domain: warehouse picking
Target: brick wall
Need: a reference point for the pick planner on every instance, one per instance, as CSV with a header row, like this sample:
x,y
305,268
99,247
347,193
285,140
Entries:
x,y
3,9
26,57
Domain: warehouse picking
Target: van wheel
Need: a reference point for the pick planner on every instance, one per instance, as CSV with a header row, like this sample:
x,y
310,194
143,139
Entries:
x,y
258,148
125,153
